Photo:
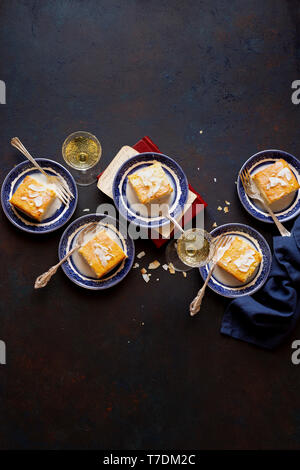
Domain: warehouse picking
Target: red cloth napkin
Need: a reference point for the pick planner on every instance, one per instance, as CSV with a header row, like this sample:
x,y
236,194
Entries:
x,y
146,145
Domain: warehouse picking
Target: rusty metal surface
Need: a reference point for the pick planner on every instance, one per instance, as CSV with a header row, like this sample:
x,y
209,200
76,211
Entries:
x,y
128,368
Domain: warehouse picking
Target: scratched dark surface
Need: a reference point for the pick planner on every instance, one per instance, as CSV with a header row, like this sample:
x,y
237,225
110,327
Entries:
x,y
127,368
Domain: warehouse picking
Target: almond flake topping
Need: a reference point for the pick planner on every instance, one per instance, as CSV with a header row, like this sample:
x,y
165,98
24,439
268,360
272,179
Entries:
x,y
146,277
154,265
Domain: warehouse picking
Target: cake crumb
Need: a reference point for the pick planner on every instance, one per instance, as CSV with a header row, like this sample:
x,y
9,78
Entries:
x,y
184,274
141,254
154,265
226,209
220,208
215,180
146,277
136,265
144,271
201,131
165,267
86,210
215,224
157,278
228,203
171,268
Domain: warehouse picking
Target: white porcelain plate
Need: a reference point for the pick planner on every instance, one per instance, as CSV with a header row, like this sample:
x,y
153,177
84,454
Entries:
x,y
284,210
224,283
147,215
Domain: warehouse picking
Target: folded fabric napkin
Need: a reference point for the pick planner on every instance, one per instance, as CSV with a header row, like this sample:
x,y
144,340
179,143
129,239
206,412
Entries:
x,y
195,202
269,317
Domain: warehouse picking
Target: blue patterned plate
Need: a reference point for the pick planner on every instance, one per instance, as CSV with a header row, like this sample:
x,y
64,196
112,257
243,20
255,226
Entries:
x,y
291,206
59,215
75,267
146,215
225,284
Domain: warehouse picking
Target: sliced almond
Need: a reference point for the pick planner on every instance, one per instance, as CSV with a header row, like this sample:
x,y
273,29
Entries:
x,y
226,209
141,254
154,265
228,203
220,208
171,268
184,274
146,277
165,267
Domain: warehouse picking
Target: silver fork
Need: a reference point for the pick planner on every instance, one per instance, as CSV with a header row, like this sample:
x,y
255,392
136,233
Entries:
x,y
165,211
63,191
253,192
43,279
221,242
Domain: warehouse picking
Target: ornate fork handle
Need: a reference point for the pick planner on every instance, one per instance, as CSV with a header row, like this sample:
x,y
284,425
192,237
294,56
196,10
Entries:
x,y
15,142
44,278
196,303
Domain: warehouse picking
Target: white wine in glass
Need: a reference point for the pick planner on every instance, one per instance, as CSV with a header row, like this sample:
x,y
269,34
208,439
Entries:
x,y
193,249
82,151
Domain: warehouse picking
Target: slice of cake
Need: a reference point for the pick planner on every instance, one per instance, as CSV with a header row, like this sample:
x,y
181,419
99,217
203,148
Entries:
x,y
102,253
240,259
276,181
150,183
33,198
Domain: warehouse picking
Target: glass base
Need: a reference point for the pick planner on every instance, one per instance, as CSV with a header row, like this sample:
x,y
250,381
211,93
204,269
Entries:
x,y
85,177
172,257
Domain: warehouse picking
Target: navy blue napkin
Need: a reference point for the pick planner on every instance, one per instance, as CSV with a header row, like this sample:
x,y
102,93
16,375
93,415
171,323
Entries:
x,y
269,317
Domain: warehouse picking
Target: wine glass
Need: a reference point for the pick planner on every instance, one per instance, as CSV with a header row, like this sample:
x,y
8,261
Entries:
x,y
82,151
194,248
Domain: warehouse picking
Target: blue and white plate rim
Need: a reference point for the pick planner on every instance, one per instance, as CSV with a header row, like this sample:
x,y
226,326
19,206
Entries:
x,y
259,158
169,164
263,272
23,168
92,283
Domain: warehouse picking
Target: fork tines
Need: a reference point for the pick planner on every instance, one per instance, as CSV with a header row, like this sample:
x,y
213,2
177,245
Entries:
x,y
245,178
222,241
65,186
61,194
63,191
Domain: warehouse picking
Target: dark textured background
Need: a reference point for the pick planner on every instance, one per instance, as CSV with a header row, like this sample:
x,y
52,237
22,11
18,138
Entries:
x,y
82,371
